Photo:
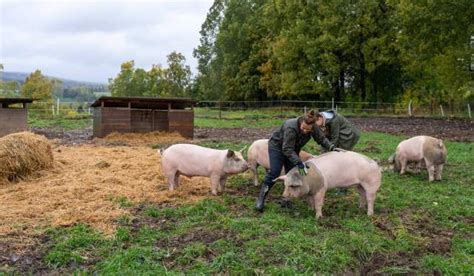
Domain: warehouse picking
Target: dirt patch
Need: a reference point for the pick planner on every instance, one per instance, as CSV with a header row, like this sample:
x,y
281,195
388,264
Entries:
x,y
450,129
432,240
397,259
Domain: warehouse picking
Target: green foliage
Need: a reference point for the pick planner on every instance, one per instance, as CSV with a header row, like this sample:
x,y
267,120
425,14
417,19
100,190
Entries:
x,y
366,50
37,87
173,81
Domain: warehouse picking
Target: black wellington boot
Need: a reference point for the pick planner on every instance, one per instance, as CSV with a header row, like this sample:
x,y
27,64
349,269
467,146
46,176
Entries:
x,y
261,197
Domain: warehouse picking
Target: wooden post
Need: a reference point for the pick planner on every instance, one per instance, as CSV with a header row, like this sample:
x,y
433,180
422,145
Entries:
x,y
469,111
332,104
281,109
220,110
57,107
304,109
409,108
442,111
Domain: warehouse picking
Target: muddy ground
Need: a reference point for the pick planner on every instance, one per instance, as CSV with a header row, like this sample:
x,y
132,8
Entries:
x,y
450,129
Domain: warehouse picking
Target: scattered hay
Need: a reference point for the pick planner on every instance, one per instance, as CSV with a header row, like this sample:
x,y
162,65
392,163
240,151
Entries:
x,y
77,190
22,154
142,139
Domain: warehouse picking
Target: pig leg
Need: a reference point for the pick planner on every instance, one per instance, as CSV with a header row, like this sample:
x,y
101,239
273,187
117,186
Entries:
x,y
362,197
318,202
439,171
215,183
253,168
222,184
311,202
403,165
171,177
431,170
370,203
176,179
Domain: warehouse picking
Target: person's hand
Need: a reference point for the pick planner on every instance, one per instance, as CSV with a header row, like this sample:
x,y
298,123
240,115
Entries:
x,y
302,169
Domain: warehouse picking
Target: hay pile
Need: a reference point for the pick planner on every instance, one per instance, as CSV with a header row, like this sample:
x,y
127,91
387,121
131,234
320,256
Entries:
x,y
86,185
143,139
22,154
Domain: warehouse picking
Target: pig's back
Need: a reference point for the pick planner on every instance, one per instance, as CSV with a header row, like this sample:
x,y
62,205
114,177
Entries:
x,y
412,148
191,159
258,152
345,167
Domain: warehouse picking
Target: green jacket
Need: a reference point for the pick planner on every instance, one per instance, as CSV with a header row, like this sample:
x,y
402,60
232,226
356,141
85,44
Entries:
x,y
341,132
289,139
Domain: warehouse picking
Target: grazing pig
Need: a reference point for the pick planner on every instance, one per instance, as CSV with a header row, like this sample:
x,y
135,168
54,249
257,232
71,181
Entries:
x,y
333,170
258,155
418,149
192,160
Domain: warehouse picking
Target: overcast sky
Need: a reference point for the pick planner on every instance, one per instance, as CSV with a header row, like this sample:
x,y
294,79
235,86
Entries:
x,y
89,40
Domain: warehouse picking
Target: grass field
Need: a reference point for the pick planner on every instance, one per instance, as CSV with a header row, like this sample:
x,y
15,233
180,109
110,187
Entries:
x,y
418,227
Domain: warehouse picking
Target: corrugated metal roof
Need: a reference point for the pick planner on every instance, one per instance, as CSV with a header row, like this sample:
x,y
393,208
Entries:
x,y
144,102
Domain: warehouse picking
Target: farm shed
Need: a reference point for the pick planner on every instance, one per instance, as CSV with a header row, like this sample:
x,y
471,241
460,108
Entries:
x,y
140,114
13,115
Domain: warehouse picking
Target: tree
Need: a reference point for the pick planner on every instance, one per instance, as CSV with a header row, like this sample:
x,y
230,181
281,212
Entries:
x,y
177,76
38,87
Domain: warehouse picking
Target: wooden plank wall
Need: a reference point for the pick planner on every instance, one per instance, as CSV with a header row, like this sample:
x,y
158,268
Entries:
x,y
182,121
109,119
13,120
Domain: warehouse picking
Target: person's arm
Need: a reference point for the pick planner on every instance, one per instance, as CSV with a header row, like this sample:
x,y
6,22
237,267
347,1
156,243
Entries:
x,y
288,147
320,138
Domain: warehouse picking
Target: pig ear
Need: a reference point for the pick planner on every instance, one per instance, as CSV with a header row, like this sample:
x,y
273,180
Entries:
x,y
281,177
230,153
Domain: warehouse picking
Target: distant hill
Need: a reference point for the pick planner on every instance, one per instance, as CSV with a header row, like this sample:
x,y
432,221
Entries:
x,y
21,77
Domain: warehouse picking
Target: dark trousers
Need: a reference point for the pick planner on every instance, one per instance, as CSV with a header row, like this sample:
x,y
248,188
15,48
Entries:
x,y
277,162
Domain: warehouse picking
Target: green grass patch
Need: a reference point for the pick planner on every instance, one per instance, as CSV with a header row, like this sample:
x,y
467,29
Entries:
x,y
418,227
63,122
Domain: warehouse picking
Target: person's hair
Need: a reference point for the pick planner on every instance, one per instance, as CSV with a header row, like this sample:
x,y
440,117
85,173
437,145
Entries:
x,y
310,117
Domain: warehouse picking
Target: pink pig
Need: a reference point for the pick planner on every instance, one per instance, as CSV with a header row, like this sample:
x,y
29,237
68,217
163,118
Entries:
x,y
425,149
192,160
334,170
258,155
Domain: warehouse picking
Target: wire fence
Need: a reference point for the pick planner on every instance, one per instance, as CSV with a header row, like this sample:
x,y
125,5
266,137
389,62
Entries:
x,y
272,109
226,109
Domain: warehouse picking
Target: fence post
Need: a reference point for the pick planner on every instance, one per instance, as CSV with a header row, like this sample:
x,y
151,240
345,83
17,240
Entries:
x,y
281,109
304,109
469,111
57,108
442,111
220,110
332,104
409,108
336,108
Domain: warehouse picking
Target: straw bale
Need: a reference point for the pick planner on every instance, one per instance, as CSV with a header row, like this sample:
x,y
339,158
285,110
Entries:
x,y
22,154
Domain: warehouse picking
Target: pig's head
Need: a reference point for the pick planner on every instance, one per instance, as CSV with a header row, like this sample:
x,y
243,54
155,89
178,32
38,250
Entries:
x,y
234,162
295,186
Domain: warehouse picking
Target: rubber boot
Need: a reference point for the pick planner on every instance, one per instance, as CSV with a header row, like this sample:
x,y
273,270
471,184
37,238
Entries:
x,y
261,197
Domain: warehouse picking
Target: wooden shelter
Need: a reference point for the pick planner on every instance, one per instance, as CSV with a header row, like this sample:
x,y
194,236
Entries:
x,y
13,115
140,114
